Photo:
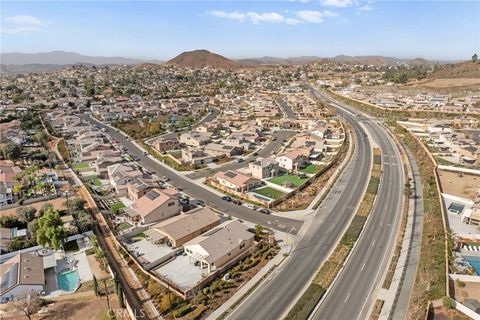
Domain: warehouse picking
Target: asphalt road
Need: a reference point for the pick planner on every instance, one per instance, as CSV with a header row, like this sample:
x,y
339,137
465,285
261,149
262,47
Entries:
x,y
210,198
351,295
270,148
286,108
274,297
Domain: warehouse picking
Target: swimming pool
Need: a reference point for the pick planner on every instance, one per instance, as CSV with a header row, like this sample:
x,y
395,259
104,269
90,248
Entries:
x,y
68,280
474,262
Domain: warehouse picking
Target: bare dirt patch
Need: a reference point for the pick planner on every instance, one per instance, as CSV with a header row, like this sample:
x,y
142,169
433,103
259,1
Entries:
x,y
449,83
58,204
459,184
470,290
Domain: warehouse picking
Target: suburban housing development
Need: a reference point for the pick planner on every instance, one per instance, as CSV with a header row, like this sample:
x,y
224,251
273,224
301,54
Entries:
x,y
207,187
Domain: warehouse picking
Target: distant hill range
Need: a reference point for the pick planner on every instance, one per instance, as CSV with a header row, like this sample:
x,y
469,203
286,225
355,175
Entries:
x,y
49,61
201,59
372,60
63,58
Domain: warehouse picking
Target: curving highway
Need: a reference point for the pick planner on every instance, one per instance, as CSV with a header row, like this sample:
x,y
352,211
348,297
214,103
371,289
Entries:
x,y
352,294
275,296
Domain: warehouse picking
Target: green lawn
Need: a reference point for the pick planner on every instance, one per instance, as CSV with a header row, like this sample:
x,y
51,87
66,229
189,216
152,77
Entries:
x,y
289,179
116,206
80,165
122,226
96,182
176,154
310,169
270,192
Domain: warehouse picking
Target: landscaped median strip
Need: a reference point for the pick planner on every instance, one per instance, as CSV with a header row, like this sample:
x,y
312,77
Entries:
x,y
331,267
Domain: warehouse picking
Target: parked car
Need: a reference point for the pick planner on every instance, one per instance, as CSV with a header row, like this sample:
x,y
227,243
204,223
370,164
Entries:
x,y
164,179
145,153
264,211
227,198
237,202
200,202
239,160
251,206
255,154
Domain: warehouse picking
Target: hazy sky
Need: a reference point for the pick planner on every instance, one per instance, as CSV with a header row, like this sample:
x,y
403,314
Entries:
x,y
162,29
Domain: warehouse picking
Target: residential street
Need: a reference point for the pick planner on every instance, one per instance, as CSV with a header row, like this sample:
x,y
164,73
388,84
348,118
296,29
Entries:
x,y
200,192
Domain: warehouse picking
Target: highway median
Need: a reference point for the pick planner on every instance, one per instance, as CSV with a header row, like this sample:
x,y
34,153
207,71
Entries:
x,y
333,265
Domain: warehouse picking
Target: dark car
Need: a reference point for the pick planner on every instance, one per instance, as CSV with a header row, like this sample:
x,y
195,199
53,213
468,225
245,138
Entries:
x,y
237,202
264,211
227,198
184,201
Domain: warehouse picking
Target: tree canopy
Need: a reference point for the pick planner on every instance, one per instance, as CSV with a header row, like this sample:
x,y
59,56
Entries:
x,y
50,229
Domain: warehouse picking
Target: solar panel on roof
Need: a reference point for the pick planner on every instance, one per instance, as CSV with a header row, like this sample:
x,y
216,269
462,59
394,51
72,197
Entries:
x,y
230,174
9,278
152,195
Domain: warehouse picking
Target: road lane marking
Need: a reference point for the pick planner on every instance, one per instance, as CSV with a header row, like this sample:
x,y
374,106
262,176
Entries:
x,y
348,296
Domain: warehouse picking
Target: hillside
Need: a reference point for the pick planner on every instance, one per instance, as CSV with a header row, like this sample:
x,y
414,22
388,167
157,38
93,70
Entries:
x,y
61,58
201,59
467,69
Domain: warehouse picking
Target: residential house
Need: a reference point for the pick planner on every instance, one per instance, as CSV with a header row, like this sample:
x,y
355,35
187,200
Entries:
x,y
8,234
106,159
121,174
166,144
264,168
195,139
219,150
236,181
21,275
196,156
293,160
182,228
156,205
8,171
138,187
219,246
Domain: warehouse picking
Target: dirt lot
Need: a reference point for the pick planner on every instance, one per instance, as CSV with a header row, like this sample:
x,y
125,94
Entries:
x,y
470,291
449,83
83,306
58,204
461,185
96,269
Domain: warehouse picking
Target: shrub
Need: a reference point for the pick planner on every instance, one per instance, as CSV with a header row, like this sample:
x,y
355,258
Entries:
x,y
306,303
182,311
448,302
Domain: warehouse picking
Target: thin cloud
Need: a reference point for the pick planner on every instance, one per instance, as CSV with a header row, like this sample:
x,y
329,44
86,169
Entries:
x,y
270,17
366,7
338,3
294,18
23,24
310,16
